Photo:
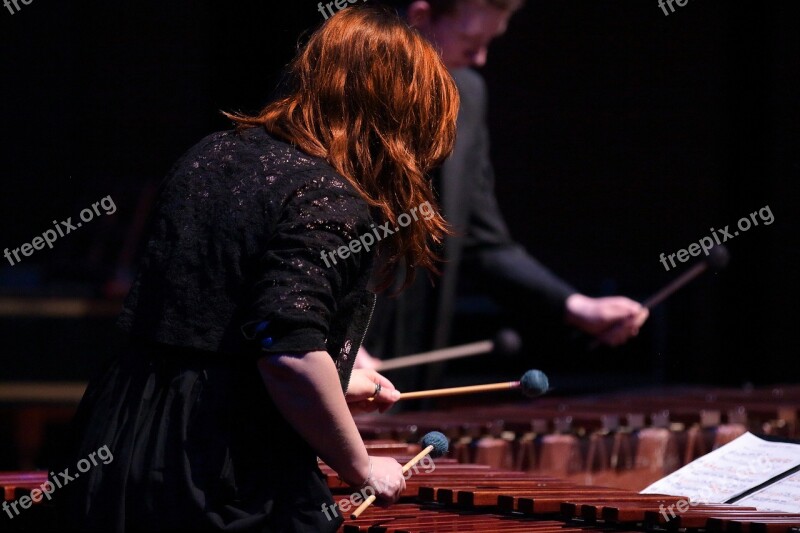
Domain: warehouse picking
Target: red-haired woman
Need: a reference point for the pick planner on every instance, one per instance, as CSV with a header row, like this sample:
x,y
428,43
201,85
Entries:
x,y
252,297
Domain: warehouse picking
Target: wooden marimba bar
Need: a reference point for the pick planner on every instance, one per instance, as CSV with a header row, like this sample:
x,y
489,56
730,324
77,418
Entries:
x,y
771,410
39,516
465,497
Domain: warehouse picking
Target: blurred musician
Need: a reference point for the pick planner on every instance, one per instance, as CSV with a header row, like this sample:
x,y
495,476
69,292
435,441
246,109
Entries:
x,y
483,251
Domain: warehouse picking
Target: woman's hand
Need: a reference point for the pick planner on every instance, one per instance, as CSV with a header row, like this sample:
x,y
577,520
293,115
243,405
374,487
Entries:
x,y
363,384
387,479
613,320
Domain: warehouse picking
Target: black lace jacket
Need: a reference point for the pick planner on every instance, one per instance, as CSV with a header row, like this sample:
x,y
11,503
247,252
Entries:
x,y
234,262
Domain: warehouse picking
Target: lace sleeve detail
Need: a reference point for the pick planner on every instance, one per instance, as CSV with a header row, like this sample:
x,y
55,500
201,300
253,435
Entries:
x,y
301,278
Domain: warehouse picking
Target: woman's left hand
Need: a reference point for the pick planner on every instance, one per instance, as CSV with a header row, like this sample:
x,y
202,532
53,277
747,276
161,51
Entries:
x,y
363,384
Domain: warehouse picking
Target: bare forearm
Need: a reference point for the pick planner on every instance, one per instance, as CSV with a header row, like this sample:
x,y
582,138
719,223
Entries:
x,y
307,392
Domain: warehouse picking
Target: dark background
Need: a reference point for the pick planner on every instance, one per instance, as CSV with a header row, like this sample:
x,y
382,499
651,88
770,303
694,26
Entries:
x,y
618,134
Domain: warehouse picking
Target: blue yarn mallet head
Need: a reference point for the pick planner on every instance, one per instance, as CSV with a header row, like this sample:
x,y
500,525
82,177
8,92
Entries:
x,y
439,442
534,383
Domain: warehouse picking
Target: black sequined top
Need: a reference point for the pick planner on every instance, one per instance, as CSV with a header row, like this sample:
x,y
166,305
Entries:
x,y
234,262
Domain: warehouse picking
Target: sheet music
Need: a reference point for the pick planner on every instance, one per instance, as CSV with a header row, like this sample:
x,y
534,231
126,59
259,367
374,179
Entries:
x,y
783,495
730,470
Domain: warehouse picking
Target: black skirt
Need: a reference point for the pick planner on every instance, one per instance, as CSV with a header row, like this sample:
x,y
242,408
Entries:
x,y
197,445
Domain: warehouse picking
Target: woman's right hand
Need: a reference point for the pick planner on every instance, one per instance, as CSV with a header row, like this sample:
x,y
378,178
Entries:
x,y
387,479
360,394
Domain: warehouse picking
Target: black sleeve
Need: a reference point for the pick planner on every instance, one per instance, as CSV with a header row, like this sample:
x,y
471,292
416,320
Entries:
x,y
497,263
298,290
509,273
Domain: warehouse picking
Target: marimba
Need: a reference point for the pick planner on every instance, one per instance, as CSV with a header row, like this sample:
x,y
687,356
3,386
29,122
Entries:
x,y
607,434
467,497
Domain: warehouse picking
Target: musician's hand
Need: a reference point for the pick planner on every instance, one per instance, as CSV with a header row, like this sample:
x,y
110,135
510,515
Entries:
x,y
362,388
365,360
613,320
387,479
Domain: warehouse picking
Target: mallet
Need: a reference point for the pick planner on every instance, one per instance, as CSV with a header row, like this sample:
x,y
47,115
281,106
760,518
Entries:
x,y
434,443
717,259
506,342
533,383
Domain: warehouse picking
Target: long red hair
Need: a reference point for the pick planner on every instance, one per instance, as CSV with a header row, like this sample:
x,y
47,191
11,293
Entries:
x,y
372,97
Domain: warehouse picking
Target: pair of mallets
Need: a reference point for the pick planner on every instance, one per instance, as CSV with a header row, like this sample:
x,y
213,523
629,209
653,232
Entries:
x,y
532,383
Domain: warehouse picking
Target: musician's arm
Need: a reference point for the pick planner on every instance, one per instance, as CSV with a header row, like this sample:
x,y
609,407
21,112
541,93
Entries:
x,y
288,321
307,392
498,262
503,268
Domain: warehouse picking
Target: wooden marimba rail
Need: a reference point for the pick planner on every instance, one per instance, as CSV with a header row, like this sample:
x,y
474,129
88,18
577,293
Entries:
x,y
627,440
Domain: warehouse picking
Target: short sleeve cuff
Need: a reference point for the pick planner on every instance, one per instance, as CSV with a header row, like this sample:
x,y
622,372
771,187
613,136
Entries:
x,y
267,338
297,341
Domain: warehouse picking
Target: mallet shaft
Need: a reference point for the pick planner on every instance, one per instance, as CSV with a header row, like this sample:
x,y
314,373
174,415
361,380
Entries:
x,y
675,285
668,291
417,458
454,391
435,356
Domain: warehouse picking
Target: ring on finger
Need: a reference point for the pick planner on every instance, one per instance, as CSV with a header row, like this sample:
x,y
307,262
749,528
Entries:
x,y
377,391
